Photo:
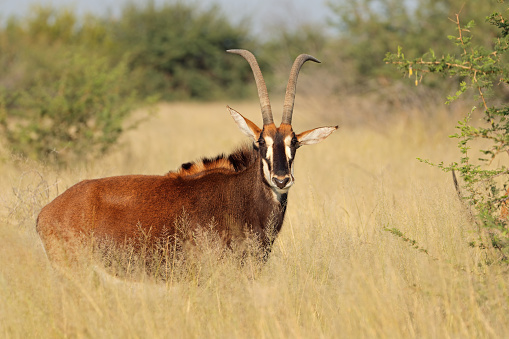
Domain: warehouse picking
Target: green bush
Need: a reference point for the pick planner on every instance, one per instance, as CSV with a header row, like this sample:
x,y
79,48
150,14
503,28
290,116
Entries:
x,y
483,70
178,51
62,98
72,109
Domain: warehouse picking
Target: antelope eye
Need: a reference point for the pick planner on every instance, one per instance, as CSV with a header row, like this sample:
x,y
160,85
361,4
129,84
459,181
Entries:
x,y
294,141
261,141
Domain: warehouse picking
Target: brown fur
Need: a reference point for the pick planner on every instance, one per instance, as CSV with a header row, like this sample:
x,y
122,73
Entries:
x,y
228,193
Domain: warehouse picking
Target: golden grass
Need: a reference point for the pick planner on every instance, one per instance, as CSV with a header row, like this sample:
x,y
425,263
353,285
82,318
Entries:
x,y
334,271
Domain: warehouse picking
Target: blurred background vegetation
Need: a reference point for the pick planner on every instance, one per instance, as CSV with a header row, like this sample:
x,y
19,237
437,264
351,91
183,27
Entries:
x,y
68,82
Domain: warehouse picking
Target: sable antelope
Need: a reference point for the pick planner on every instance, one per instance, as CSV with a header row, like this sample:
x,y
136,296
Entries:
x,y
243,192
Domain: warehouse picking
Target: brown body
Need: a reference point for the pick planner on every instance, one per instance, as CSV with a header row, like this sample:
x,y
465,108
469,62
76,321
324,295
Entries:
x,y
124,208
243,193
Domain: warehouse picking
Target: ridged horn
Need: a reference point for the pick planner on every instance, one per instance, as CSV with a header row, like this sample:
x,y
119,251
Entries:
x,y
263,94
291,88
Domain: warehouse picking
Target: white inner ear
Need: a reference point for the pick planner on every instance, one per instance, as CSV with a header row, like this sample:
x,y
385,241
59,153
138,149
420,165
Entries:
x,y
316,135
241,122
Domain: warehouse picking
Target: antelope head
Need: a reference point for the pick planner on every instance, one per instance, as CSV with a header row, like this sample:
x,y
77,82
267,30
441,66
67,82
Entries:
x,y
277,145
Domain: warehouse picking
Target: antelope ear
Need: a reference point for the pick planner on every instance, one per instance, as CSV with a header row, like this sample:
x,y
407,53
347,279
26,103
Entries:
x,y
245,125
314,136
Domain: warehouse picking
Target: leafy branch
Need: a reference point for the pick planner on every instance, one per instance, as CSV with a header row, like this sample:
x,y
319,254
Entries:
x,y
481,71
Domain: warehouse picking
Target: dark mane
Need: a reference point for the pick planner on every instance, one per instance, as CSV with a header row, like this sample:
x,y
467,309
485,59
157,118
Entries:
x,y
238,161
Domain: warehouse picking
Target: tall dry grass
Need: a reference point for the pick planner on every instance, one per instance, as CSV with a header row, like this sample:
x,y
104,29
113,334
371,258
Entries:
x,y
334,272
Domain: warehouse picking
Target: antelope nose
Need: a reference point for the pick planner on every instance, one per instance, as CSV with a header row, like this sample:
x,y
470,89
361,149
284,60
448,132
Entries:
x,y
281,183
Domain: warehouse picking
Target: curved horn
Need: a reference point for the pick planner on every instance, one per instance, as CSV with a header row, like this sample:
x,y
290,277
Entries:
x,y
291,88
263,94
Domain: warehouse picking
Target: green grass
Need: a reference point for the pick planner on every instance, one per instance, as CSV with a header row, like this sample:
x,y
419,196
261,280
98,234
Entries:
x,y
335,271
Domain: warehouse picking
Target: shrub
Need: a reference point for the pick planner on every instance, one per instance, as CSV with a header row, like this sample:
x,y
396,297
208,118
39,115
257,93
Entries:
x,y
178,51
482,71
62,98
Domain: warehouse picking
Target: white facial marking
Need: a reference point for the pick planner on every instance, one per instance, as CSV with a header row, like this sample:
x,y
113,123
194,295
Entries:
x,y
270,151
266,171
269,158
288,150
